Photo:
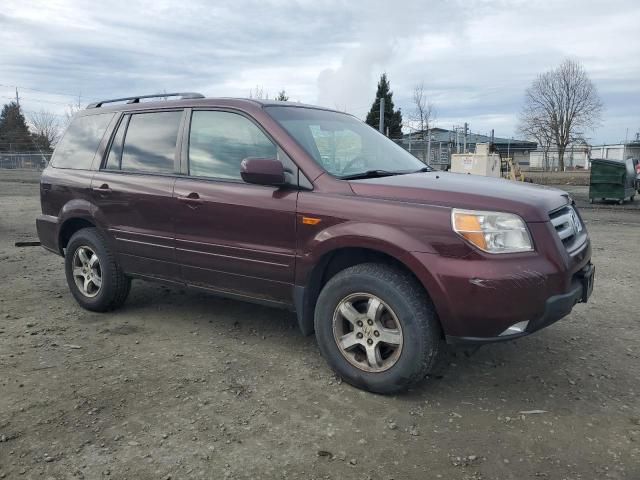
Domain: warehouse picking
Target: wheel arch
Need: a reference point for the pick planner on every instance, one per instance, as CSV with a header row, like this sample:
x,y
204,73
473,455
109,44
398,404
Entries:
x,y
69,227
337,259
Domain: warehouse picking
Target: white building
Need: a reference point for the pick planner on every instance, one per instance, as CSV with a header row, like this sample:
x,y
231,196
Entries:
x,y
575,156
620,151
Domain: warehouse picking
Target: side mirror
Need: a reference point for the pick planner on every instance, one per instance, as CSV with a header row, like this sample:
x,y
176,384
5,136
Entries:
x,y
262,171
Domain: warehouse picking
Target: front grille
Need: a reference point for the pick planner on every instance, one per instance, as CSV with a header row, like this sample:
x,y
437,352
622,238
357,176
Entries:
x,y
568,226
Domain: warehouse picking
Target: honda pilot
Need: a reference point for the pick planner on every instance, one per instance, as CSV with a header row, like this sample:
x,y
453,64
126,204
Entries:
x,y
312,210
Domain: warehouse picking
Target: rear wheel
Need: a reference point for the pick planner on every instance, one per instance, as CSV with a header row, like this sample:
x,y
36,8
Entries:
x,y
94,277
377,328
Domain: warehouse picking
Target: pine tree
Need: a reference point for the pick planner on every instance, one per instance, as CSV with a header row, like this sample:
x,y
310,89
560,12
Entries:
x,y
392,118
14,133
282,96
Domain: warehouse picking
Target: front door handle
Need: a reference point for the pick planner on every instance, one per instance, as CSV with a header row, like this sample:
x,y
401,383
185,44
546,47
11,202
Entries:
x,y
193,198
104,188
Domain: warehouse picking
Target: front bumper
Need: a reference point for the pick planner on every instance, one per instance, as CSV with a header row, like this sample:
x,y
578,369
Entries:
x,y
556,307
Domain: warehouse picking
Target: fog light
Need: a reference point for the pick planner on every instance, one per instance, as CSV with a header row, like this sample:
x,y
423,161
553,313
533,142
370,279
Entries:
x,y
516,328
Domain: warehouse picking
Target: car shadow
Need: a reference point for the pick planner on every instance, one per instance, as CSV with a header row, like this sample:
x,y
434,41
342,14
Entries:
x,y
530,368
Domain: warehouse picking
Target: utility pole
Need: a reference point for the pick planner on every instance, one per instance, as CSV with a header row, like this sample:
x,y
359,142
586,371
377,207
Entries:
x,y
624,147
428,146
466,127
381,126
17,98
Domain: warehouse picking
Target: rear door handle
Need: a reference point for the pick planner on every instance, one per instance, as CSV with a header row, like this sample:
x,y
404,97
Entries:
x,y
193,198
104,188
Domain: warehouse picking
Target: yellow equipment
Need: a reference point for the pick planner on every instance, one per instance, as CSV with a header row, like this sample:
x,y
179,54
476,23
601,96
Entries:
x,y
511,170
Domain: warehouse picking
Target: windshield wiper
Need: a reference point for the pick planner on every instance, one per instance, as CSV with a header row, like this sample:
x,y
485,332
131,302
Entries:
x,y
370,174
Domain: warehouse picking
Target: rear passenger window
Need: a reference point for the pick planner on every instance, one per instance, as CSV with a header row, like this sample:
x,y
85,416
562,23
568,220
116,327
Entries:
x,y
219,141
150,142
81,141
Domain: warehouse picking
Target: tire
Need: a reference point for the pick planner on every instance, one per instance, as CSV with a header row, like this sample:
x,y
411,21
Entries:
x,y
407,305
114,284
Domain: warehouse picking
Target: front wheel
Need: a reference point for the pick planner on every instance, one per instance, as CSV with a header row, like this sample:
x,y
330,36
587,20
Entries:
x,y
377,328
94,277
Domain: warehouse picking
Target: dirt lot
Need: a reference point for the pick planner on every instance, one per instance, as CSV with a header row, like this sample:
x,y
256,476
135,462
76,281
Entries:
x,y
182,385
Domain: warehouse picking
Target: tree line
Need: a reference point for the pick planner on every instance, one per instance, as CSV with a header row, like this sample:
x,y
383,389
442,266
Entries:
x,y
559,105
39,133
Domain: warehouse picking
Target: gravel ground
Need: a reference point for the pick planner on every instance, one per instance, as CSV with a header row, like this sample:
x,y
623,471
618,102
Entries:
x,y
178,384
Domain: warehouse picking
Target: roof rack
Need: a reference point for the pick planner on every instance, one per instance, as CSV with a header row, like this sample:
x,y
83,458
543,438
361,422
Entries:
x,y
183,96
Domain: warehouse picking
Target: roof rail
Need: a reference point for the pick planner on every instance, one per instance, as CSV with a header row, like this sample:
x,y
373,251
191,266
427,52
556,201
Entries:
x,y
182,95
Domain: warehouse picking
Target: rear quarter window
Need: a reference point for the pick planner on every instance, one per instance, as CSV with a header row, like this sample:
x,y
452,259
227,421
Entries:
x,y
81,141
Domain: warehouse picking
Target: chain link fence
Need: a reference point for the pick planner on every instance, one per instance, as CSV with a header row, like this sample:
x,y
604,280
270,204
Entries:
x,y
24,160
440,152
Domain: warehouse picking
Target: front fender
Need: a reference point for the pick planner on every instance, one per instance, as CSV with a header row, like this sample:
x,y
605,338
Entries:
x,y
385,238
414,254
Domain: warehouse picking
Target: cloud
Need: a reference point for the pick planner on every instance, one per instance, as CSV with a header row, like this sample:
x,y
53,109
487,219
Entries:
x,y
348,86
475,57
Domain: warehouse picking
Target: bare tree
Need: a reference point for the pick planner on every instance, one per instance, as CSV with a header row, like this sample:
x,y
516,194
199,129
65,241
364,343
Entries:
x,y
45,127
70,112
258,93
533,127
559,103
423,116
72,109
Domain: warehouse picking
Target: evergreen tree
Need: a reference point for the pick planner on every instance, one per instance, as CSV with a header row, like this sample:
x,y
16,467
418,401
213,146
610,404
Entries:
x,y
392,118
14,133
282,96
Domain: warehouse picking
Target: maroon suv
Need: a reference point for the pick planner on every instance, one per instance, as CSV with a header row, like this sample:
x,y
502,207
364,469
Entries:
x,y
309,209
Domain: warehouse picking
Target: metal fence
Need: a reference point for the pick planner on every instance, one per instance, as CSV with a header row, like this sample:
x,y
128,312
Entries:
x,y
440,152
24,160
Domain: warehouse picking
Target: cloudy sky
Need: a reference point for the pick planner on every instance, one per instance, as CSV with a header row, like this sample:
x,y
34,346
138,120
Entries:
x,y
475,57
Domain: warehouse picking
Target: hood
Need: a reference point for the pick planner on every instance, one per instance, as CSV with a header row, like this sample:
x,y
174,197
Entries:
x,y
532,202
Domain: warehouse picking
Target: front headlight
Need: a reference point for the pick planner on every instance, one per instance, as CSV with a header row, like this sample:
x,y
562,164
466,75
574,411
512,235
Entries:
x,y
492,232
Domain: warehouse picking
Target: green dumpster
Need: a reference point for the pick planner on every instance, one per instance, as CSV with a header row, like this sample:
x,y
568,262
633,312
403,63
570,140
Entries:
x,y
612,180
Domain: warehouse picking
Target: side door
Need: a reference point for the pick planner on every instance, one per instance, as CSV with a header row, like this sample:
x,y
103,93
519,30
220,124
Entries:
x,y
231,236
133,191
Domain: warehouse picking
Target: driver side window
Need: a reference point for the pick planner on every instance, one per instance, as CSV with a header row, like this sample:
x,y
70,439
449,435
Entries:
x,y
338,149
219,141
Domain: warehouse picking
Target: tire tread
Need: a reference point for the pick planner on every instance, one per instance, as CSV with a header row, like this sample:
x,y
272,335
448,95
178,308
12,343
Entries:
x,y
119,283
419,303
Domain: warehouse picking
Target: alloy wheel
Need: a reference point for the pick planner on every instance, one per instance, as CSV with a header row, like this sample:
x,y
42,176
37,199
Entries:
x,y
367,332
87,273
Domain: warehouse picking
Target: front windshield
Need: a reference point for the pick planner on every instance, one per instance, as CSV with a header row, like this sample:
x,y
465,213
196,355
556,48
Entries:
x,y
343,145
